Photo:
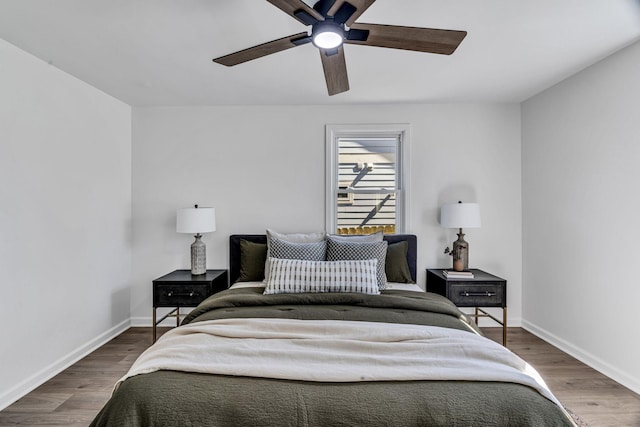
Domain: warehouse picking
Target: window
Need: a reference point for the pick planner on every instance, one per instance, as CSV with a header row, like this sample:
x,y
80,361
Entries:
x,y
366,185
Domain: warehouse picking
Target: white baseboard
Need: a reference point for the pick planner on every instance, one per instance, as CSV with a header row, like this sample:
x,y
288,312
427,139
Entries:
x,y
147,322
10,396
585,357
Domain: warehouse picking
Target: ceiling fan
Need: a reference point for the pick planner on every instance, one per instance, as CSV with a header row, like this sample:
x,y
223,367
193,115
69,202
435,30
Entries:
x,y
332,24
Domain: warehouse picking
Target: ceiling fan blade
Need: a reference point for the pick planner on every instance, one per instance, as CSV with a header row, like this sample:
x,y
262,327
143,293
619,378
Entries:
x,y
345,12
360,5
298,9
324,6
335,70
263,49
417,39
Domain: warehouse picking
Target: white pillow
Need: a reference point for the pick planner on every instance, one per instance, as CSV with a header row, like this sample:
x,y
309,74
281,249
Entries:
x,y
291,238
288,276
297,237
360,238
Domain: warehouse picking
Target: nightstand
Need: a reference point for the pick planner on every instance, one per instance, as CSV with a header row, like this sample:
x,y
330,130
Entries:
x,y
182,289
484,290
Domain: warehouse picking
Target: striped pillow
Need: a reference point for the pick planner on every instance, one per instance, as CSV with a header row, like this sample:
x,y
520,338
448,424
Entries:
x,y
287,276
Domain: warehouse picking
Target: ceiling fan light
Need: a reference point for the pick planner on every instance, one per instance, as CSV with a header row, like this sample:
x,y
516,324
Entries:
x,y
327,39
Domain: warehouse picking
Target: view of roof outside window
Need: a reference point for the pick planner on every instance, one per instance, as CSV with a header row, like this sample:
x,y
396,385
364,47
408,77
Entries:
x,y
368,185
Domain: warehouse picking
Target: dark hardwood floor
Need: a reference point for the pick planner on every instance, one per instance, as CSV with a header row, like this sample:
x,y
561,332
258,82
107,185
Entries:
x,y
75,396
593,397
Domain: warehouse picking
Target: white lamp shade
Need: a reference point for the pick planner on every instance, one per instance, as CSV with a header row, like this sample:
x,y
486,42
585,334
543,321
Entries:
x,y
196,220
460,215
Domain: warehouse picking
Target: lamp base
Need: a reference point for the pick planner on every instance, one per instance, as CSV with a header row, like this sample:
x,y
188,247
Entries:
x,y
198,256
460,253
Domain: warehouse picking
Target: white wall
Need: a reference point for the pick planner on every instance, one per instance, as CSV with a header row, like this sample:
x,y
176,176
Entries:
x,y
65,209
265,167
581,204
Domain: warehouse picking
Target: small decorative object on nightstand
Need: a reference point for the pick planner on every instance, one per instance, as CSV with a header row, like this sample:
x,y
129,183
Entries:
x,y
197,220
460,215
481,290
182,289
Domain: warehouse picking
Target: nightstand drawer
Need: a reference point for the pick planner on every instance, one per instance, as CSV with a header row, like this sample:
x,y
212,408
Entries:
x,y
174,295
480,295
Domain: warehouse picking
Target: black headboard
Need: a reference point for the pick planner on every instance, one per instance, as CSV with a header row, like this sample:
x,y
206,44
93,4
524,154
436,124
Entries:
x,y
234,250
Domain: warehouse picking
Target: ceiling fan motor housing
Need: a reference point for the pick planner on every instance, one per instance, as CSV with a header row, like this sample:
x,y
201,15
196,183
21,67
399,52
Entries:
x,y
327,34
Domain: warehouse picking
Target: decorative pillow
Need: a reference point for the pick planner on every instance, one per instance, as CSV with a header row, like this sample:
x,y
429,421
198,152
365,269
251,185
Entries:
x,y
297,237
314,251
291,238
354,250
396,265
362,238
252,258
297,276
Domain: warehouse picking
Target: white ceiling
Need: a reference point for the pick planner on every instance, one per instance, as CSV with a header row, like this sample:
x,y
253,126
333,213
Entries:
x,y
159,52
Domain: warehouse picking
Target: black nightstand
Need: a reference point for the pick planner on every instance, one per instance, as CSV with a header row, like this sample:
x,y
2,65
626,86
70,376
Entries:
x,y
182,289
484,290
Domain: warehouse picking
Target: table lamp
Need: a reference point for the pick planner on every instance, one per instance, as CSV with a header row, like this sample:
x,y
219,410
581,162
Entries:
x,y
460,215
197,220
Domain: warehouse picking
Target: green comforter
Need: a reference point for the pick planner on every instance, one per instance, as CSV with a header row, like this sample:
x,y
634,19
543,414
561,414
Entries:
x,y
420,308
168,398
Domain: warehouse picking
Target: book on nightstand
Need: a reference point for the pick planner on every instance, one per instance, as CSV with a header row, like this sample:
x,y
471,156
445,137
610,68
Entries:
x,y
450,274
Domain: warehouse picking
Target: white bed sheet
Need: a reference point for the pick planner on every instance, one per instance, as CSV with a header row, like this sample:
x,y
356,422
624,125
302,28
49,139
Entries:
x,y
390,285
404,287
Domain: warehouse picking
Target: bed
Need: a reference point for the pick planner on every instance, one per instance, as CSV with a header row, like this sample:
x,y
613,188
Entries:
x,y
398,357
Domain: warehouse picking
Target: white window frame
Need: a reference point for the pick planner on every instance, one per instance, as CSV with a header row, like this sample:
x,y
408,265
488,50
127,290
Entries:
x,y
401,131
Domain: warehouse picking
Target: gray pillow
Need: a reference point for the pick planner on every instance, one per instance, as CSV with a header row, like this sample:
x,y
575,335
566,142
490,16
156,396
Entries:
x,y
337,250
312,251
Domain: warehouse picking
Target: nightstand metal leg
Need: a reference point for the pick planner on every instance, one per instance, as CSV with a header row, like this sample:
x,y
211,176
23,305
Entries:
x,y
476,315
169,314
504,326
